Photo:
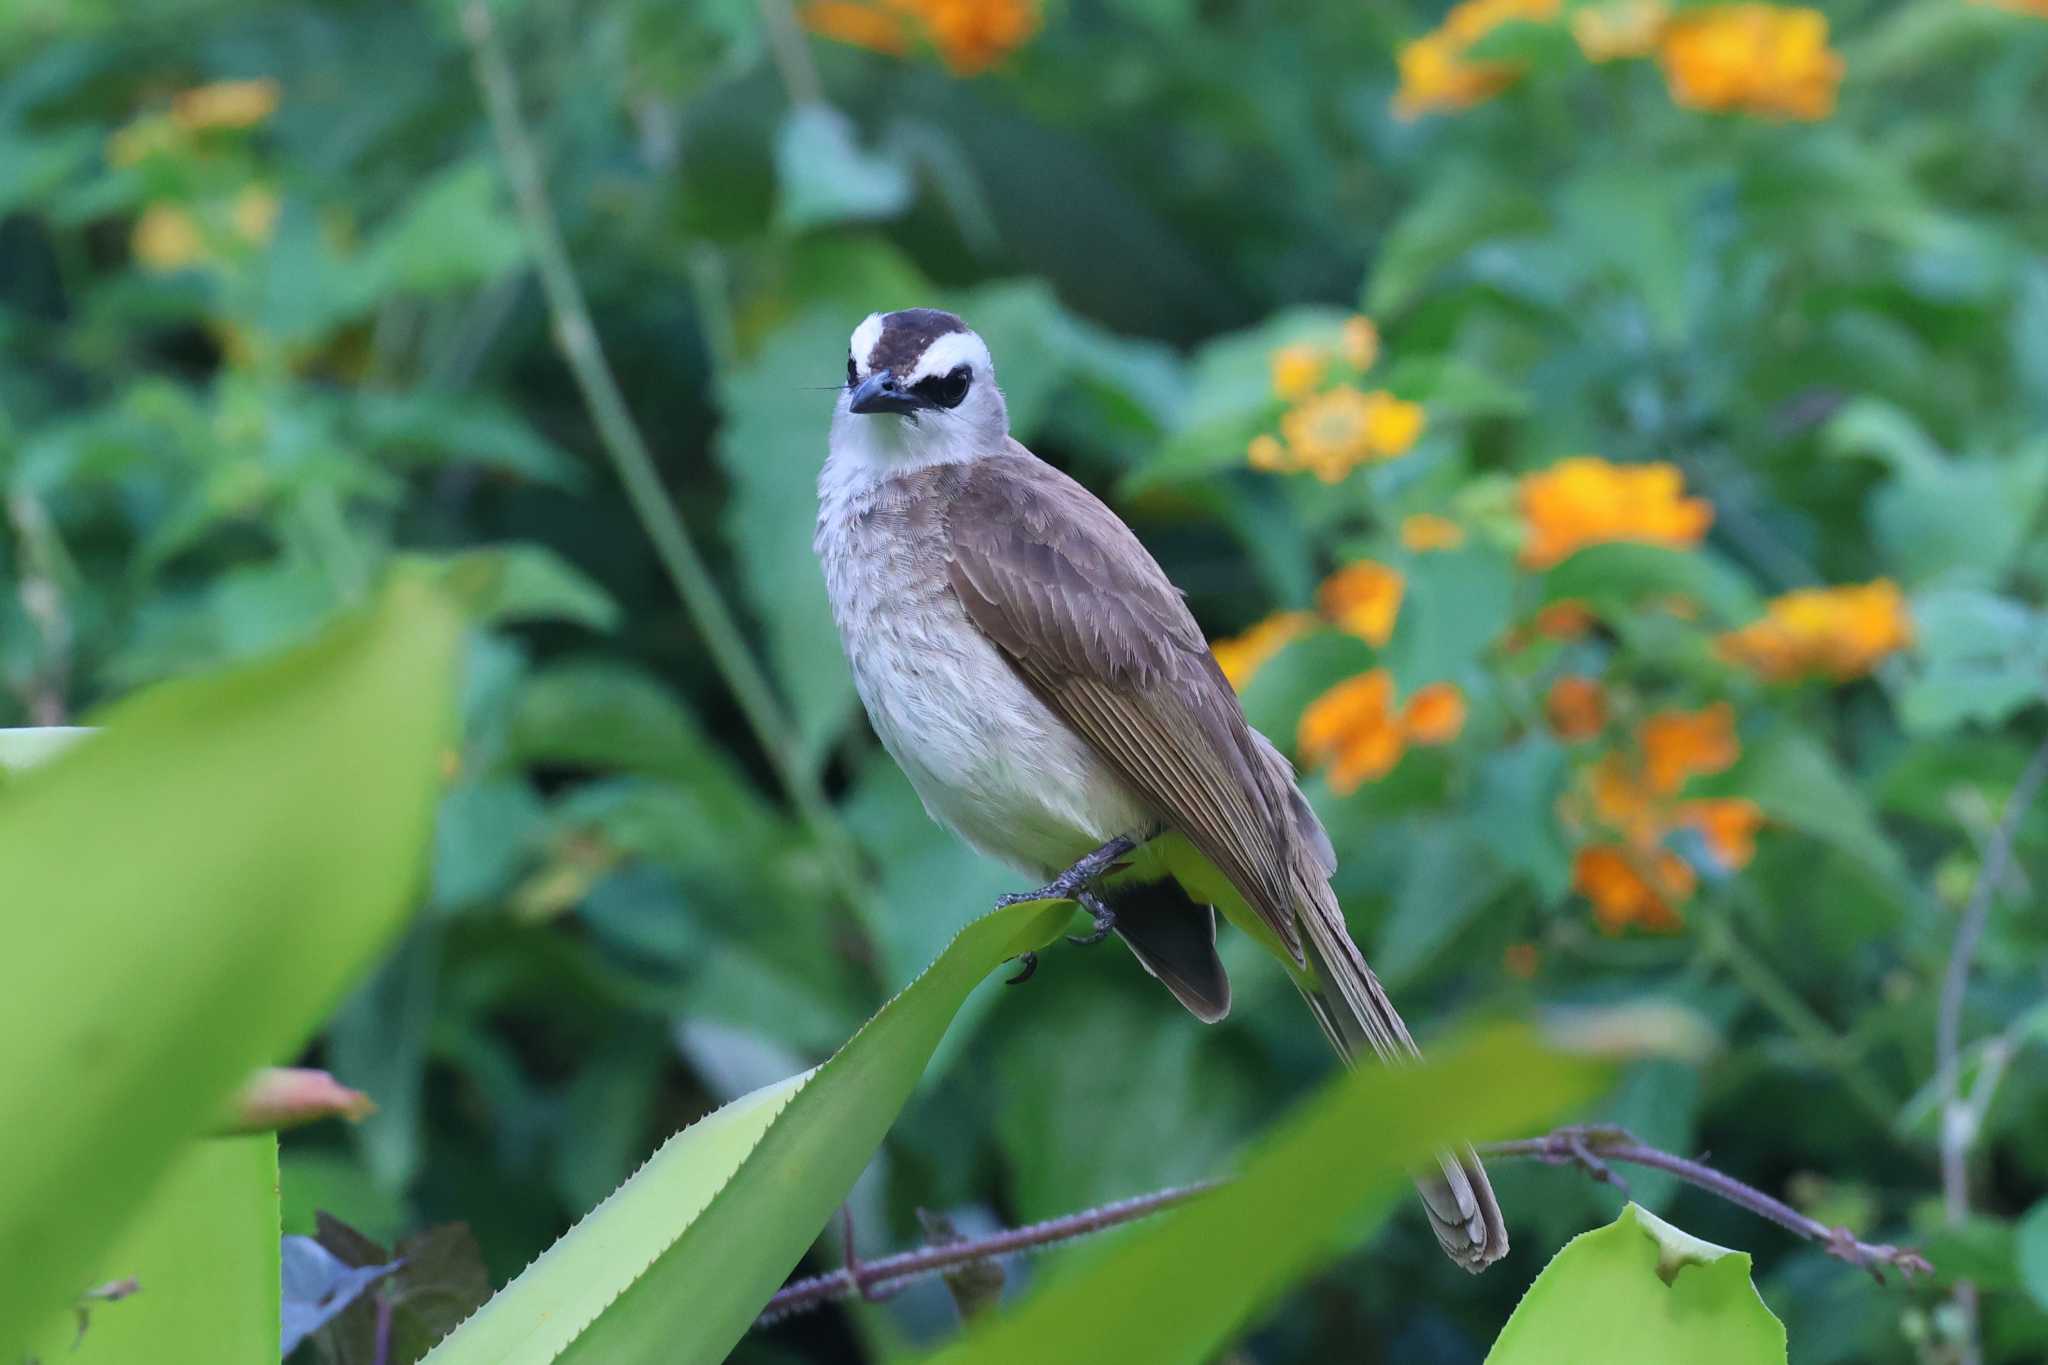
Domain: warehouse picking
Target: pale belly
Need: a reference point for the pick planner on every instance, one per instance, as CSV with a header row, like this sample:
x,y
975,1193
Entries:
x,y
986,756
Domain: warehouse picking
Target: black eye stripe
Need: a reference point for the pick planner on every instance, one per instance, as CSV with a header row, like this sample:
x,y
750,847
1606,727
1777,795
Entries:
x,y
851,373
945,390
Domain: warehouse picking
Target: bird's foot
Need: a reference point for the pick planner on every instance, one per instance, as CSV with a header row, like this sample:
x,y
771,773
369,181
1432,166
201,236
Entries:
x,y
1105,921
1027,968
1076,879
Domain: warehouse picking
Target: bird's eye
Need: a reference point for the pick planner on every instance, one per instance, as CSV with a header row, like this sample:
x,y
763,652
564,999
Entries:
x,y
946,390
851,374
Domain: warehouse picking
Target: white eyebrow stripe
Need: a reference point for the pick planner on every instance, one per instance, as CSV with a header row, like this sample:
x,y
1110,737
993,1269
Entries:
x,y
954,348
864,338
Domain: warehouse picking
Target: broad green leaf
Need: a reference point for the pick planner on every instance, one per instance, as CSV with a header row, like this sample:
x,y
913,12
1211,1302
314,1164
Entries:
x,y
825,176
512,583
677,1263
1455,606
269,825
1177,1289
203,1253
1640,1290
771,445
457,231
1615,577
1463,207
1448,876
1976,657
2031,1244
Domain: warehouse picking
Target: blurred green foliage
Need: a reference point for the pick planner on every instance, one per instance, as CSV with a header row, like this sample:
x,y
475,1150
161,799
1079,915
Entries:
x,y
257,344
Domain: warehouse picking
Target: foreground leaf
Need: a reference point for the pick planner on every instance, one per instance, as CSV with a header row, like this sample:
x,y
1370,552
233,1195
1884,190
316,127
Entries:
x,y
1636,1290
187,893
1179,1288
679,1261
193,1280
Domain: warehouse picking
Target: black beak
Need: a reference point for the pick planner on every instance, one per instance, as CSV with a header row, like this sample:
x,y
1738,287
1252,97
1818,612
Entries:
x,y
879,393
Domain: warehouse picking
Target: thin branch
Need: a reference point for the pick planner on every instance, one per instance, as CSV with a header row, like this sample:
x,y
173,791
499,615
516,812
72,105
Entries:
x,y
880,1278
577,337
792,58
1961,1120
1590,1149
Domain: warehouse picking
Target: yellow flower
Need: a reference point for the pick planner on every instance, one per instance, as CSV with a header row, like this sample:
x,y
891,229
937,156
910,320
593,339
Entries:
x,y
1392,424
1330,433
1587,501
969,35
1576,708
255,214
1727,826
1619,28
145,137
1364,598
1243,655
1265,452
1678,745
1351,728
1630,887
1752,58
1434,715
166,238
1435,72
1425,532
1361,341
1297,369
225,104
1837,633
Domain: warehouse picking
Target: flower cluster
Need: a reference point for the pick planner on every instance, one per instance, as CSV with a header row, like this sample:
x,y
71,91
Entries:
x,y
1632,802
970,36
172,234
1752,58
1748,58
1437,70
1331,431
1587,501
1362,597
1835,633
1241,656
1358,733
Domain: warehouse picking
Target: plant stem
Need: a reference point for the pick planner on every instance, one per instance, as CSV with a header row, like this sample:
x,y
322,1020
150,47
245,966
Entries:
x,y
792,59
1589,1149
1961,1120
584,354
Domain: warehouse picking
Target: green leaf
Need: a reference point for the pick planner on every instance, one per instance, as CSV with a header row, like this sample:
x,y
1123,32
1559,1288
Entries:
x,y
270,824
1617,577
1176,1289
771,445
825,176
1455,605
203,1253
1464,206
1449,875
505,584
1639,1290
677,1263
2031,1241
1976,657
453,234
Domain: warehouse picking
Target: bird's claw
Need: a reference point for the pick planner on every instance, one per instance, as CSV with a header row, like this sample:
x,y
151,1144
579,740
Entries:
x,y
1028,966
1105,921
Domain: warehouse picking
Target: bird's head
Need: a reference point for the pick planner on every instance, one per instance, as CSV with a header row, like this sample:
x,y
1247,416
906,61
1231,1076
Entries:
x,y
920,389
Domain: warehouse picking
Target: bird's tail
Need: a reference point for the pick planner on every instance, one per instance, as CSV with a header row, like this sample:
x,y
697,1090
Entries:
x,y
1356,1016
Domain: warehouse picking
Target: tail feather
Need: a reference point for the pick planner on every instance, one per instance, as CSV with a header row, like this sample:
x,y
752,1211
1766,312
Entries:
x,y
1356,1015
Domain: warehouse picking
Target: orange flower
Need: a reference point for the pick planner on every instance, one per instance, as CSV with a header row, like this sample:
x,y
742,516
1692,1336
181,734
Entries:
x,y
1576,708
1624,803
1425,531
1392,424
1266,453
1627,888
1297,369
225,104
1588,501
1681,744
1752,58
970,35
1436,74
1361,343
1838,633
1727,826
1351,728
1619,28
1243,655
1435,714
1333,432
1364,598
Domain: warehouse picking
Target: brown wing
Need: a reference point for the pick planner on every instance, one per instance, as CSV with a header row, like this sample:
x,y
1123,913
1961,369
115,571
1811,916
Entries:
x,y
1091,622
